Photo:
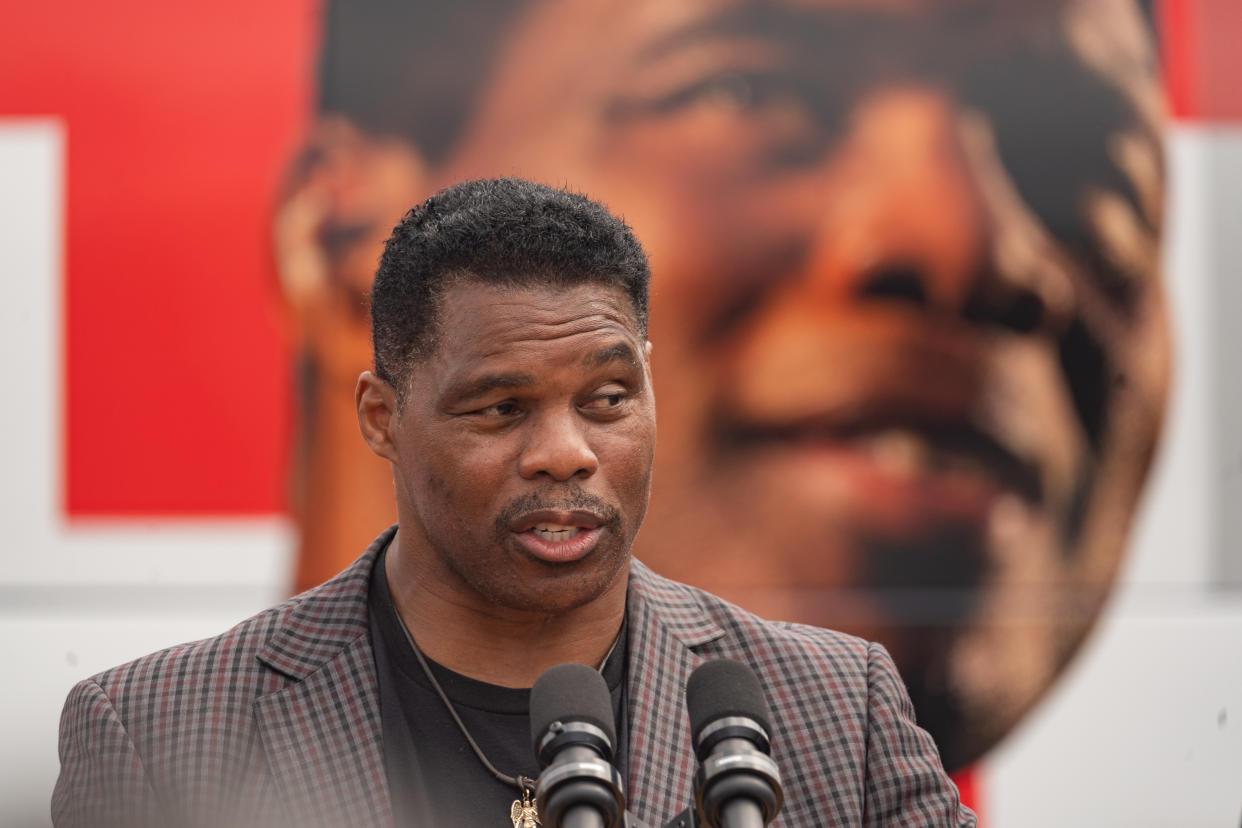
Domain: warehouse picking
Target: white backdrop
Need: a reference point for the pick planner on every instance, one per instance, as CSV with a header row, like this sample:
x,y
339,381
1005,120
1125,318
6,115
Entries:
x,y
1145,729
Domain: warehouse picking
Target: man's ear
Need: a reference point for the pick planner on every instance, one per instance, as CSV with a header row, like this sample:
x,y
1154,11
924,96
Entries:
x,y
342,195
376,402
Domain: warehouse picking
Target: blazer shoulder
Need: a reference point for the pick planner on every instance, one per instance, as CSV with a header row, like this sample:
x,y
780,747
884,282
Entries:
x,y
796,650
226,657
786,646
312,625
134,733
843,721
183,725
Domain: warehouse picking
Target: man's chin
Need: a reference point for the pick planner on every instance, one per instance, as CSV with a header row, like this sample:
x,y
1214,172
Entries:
x,y
972,683
980,627
964,727
551,589
963,610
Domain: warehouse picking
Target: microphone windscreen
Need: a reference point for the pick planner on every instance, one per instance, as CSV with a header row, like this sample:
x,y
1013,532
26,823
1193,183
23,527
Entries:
x,y
570,692
724,688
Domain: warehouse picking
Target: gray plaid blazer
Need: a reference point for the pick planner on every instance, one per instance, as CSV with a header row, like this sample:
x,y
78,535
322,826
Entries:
x,y
277,721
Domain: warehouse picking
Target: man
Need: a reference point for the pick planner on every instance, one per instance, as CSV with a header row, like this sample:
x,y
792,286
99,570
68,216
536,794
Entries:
x,y
512,399
912,341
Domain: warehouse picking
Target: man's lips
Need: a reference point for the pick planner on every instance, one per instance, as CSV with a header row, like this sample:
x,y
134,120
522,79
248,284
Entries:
x,y
569,518
908,404
558,536
904,444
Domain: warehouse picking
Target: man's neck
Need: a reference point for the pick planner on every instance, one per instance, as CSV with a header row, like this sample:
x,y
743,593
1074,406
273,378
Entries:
x,y
499,645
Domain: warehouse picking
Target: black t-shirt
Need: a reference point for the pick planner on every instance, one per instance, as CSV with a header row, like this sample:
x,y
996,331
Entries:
x,y
434,778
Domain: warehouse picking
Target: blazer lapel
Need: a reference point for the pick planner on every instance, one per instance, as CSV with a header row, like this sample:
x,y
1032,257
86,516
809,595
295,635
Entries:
x,y
322,732
666,623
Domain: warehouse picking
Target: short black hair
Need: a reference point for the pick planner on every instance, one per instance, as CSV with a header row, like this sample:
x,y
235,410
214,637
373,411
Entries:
x,y
414,69
506,232
411,70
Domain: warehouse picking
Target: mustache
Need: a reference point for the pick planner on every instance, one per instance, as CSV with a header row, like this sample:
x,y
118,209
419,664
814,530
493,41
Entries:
x,y
563,498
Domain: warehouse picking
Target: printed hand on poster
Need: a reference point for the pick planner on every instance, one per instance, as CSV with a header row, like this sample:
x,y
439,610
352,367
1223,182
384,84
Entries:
x,y
910,345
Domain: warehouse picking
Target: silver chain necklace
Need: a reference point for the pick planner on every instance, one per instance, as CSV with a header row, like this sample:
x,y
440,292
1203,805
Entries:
x,y
524,812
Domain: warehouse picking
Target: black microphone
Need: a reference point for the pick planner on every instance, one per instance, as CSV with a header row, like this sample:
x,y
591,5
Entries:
x,y
572,731
738,783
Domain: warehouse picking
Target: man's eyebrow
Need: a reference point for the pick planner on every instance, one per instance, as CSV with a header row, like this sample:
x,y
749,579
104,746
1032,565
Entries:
x,y
751,20
620,352
479,386
726,24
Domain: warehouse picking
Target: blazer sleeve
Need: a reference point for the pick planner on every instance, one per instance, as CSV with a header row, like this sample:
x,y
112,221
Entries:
x,y
906,783
102,779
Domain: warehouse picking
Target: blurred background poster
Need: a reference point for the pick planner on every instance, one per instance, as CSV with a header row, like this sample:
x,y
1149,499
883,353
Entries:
x,y
943,312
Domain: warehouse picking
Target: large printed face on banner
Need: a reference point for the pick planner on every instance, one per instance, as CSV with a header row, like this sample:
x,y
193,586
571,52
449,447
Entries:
x,y
909,343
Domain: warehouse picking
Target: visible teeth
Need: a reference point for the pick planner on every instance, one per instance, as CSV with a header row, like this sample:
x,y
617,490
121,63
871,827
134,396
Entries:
x,y
555,531
898,451
901,452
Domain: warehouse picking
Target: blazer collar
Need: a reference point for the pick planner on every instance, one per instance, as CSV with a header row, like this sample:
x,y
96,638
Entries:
x,y
667,623
321,732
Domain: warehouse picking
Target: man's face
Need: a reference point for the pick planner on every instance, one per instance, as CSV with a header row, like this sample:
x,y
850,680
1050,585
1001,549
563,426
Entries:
x,y
910,341
524,447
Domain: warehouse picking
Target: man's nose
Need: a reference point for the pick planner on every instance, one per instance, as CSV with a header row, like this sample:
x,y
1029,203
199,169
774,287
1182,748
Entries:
x,y
925,215
557,447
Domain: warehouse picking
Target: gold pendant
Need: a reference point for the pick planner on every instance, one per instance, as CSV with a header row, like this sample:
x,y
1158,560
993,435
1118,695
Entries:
x,y
525,812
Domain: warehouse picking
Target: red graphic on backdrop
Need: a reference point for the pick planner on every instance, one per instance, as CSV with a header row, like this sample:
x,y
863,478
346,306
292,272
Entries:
x,y
178,120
